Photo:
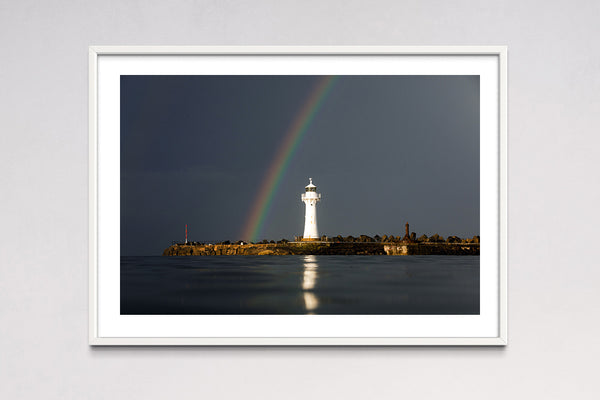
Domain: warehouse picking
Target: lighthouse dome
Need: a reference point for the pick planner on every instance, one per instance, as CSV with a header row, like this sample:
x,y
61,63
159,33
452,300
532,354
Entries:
x,y
310,187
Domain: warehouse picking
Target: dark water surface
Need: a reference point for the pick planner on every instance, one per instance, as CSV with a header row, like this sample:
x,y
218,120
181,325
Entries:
x,y
300,285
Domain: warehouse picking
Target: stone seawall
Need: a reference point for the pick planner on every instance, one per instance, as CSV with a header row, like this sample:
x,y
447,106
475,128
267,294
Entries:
x,y
324,248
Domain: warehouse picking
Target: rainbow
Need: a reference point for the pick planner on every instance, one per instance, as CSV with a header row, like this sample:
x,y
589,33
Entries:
x,y
285,153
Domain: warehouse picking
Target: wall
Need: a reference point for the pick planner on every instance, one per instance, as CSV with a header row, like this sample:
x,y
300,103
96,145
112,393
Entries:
x,y
554,86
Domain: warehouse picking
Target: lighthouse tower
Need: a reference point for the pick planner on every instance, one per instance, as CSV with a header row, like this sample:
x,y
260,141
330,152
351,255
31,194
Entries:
x,y
310,197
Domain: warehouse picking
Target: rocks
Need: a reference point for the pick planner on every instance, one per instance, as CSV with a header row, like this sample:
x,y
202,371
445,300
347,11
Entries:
x,y
338,245
365,239
329,248
266,253
453,239
435,238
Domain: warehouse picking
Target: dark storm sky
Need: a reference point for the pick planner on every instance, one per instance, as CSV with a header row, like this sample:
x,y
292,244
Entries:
x,y
382,150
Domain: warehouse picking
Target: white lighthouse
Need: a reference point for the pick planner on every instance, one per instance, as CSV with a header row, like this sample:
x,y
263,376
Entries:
x,y
310,197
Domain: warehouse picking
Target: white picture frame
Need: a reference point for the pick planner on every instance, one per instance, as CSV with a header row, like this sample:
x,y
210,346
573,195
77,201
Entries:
x,y
107,62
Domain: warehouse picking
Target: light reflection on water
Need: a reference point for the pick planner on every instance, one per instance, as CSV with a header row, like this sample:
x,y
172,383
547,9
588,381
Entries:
x,y
311,301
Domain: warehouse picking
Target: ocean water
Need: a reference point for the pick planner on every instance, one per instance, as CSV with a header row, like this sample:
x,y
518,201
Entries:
x,y
300,285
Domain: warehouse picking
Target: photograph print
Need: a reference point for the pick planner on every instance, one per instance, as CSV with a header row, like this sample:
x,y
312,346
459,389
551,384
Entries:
x,y
300,195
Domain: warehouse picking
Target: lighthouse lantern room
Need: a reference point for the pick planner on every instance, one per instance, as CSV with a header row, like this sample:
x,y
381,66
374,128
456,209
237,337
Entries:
x,y
310,197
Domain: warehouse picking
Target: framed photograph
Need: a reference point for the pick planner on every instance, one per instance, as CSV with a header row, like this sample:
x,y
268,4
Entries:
x,y
297,195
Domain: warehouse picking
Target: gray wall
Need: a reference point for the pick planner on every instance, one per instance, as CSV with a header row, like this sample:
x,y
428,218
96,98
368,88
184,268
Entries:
x,y
554,86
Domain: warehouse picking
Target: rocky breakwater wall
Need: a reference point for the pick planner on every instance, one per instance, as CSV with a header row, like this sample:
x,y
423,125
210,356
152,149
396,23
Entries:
x,y
279,249
323,248
431,249
227,250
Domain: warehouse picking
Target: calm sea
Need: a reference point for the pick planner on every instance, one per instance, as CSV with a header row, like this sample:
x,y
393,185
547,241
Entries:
x,y
300,285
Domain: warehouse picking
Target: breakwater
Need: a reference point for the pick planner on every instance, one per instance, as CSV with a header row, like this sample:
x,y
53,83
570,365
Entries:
x,y
323,248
